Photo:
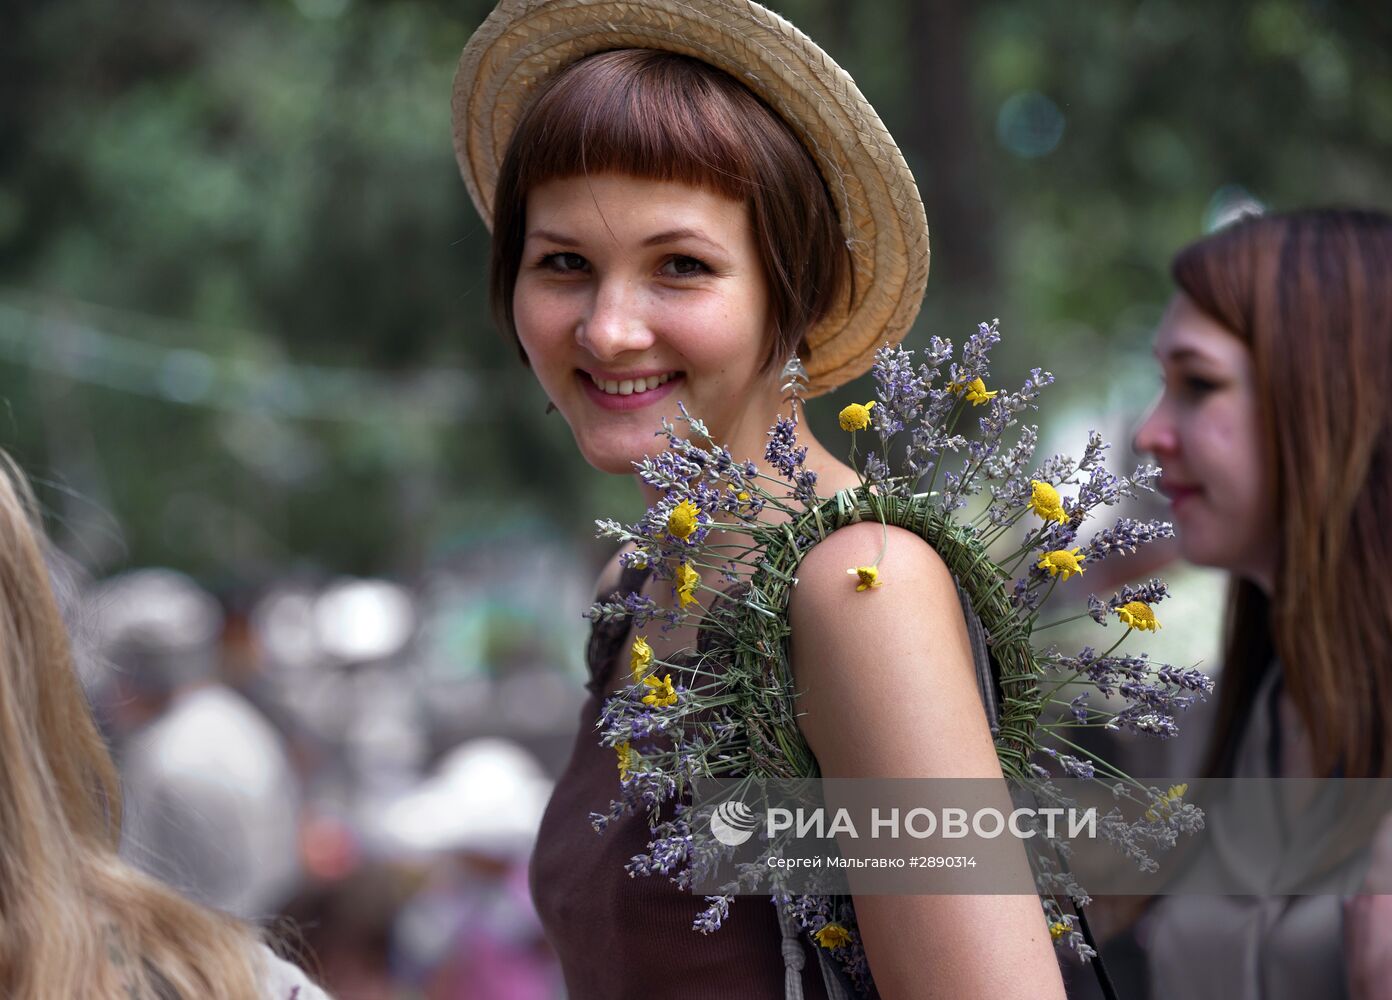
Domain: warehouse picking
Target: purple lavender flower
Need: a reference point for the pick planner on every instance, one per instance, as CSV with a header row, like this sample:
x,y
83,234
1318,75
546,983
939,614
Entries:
x,y
1145,720
708,921
1056,469
900,391
1188,678
1151,592
976,353
1127,535
782,451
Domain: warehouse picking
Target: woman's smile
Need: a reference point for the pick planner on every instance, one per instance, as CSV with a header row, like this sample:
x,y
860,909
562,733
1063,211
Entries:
x,y
628,392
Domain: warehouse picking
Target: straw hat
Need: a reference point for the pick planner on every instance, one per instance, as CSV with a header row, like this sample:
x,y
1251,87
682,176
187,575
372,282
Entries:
x,y
523,42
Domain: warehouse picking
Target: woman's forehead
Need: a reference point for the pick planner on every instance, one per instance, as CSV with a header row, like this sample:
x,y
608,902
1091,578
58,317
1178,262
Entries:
x,y
1187,333
634,209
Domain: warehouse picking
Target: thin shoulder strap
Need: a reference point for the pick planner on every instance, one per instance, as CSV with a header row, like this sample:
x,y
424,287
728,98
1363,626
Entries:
x,y
981,658
794,959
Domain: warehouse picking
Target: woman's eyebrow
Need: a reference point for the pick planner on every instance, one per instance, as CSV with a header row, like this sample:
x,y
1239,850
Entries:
x,y
553,237
1183,354
673,235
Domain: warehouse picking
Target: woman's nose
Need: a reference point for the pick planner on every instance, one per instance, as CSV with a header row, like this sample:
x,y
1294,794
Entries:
x,y
614,324
1154,433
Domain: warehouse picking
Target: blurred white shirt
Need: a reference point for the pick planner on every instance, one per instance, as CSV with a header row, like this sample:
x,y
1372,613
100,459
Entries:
x,y
211,803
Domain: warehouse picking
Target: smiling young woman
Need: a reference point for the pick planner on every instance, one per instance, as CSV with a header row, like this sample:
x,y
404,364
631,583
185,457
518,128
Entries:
x,y
682,195
1274,430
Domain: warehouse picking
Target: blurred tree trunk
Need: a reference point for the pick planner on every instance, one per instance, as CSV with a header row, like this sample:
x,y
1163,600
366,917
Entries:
x,y
944,139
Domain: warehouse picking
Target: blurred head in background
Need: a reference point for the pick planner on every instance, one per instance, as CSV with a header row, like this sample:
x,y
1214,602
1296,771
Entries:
x,y
1273,433
158,632
77,921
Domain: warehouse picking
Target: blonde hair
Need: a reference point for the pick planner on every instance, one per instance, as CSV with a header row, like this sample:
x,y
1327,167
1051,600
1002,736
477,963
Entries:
x,y
75,920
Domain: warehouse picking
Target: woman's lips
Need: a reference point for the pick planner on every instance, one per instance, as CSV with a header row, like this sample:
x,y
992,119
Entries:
x,y
634,401
1178,492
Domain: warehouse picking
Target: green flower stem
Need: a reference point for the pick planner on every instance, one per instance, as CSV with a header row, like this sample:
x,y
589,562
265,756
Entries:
x,y
1099,762
855,465
1042,601
1129,630
947,433
1060,685
998,532
1031,542
1062,621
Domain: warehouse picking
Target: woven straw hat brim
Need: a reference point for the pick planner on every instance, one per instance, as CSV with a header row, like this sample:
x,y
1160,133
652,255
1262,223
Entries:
x,y
523,42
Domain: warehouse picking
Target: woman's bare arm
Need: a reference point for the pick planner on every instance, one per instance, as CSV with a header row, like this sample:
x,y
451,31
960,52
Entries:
x,y
889,690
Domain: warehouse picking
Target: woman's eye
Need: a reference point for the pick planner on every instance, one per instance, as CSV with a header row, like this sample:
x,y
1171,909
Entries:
x,y
566,263
684,267
1197,385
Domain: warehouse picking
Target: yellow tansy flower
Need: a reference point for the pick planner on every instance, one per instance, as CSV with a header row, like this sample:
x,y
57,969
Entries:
x,y
687,579
625,754
661,694
1046,502
1138,615
833,936
1068,562
976,391
866,576
1057,929
640,658
682,522
856,417
1165,806
742,496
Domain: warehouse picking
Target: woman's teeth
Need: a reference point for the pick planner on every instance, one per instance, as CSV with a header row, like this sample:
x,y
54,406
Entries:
x,y
629,386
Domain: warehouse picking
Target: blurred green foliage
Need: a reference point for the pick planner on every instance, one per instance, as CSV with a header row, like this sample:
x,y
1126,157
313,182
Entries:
x,y
243,307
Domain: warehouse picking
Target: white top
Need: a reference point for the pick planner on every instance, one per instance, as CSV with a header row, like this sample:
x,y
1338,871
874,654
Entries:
x,y
284,981
212,803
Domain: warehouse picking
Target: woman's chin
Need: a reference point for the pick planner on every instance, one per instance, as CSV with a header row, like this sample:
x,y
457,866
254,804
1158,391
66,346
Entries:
x,y
617,461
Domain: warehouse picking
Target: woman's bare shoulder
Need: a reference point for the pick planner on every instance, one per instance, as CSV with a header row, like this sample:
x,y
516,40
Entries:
x,y
885,679
903,561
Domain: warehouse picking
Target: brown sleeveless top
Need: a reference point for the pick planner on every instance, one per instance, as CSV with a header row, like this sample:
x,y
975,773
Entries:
x,y
619,937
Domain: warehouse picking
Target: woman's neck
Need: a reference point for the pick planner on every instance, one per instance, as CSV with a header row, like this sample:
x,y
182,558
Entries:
x,y
833,473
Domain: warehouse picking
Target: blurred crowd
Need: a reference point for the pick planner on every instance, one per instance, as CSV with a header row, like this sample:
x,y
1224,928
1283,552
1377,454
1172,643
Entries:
x,y
357,764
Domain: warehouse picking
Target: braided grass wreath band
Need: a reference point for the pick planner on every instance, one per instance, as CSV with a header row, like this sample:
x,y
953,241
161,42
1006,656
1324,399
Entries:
x,y
976,573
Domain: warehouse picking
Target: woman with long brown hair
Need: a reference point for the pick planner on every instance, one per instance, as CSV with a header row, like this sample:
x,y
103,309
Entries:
x,y
1273,430
75,920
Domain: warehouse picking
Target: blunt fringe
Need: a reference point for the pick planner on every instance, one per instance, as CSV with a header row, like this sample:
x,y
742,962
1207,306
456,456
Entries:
x,y
668,117
1310,293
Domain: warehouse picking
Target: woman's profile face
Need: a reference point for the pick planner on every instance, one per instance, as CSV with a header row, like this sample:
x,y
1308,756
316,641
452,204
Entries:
x,y
634,294
1205,432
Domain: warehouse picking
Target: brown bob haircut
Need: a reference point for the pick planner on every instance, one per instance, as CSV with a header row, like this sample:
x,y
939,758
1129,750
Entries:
x,y
1310,293
663,116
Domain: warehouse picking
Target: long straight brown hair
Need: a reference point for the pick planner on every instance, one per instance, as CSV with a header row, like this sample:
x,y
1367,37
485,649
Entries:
x,y
75,920
1310,293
